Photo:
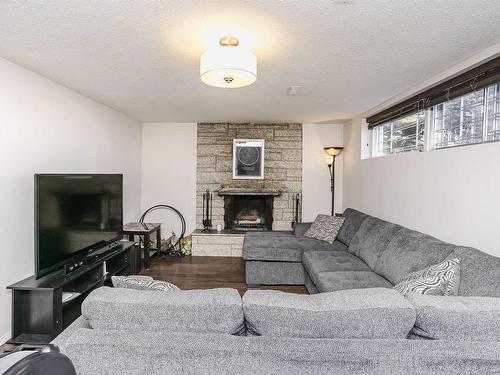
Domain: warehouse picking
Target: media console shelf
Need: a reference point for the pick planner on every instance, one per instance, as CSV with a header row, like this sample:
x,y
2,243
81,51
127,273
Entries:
x,y
39,313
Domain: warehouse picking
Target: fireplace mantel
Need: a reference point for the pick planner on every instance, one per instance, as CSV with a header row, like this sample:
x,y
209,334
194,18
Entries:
x,y
248,191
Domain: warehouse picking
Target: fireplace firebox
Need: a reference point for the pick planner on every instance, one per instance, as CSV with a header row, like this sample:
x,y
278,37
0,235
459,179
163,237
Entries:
x,y
248,208
248,212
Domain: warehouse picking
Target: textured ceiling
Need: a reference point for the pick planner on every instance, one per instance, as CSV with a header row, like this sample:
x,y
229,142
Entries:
x,y
141,57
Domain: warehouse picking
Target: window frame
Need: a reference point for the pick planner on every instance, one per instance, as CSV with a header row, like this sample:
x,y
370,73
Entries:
x,y
375,135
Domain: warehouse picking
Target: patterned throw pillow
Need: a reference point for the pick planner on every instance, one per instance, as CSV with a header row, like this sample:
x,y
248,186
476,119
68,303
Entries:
x,y
325,228
440,279
142,283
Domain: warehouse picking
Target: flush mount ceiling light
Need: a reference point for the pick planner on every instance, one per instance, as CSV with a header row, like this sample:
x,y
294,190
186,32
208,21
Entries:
x,y
228,65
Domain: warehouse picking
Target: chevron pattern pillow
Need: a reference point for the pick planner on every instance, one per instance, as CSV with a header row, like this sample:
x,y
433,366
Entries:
x,y
142,283
440,279
325,228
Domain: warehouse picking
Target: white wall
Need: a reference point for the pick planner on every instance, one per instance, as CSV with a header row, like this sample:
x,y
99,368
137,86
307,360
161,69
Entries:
x,y
316,192
45,127
169,170
452,194
169,173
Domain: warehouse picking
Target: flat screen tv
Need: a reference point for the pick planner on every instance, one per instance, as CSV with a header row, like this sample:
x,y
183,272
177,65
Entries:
x,y
75,214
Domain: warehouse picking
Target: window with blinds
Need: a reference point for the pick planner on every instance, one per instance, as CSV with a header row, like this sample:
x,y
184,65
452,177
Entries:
x,y
462,110
467,119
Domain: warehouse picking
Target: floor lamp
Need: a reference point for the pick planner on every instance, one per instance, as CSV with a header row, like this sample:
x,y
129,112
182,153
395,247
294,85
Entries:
x,y
331,153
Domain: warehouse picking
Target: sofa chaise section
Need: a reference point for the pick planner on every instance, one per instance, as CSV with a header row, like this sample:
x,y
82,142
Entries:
x,y
276,258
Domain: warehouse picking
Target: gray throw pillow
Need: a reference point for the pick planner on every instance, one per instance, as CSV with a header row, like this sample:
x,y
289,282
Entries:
x,y
456,318
440,279
142,283
325,228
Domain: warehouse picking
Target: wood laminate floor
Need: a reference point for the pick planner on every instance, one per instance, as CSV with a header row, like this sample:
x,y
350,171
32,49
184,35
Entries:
x,y
206,272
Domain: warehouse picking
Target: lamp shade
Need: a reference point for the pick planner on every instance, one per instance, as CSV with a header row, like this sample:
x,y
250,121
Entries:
x,y
228,67
333,151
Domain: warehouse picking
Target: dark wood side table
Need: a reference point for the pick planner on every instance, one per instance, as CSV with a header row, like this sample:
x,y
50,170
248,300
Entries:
x,y
145,230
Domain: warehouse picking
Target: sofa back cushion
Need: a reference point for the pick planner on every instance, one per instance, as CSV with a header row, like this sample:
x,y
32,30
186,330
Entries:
x,y
203,311
409,251
479,272
352,222
300,228
456,318
376,313
372,239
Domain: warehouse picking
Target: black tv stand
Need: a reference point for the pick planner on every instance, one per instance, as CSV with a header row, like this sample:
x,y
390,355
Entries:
x,y
39,313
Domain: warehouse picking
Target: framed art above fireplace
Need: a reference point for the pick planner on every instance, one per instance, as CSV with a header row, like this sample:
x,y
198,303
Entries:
x,y
248,159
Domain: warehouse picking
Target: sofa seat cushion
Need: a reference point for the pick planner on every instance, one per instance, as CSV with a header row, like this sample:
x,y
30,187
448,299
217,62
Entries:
x,y
319,261
352,222
203,311
284,248
456,318
312,244
370,314
410,251
330,281
272,247
372,239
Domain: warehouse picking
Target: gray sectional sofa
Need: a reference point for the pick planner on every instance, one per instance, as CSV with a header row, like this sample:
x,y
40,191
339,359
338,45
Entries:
x,y
357,324
360,331
368,253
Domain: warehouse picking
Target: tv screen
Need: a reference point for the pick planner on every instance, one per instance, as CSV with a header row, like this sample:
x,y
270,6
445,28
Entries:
x,y
74,214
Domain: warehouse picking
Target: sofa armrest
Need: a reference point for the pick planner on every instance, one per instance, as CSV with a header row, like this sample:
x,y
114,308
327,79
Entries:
x,y
300,228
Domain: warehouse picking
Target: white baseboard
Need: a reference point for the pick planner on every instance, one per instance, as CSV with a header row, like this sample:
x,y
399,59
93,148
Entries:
x,y
4,338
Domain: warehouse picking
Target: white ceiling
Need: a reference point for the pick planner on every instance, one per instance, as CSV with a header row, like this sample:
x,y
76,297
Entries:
x,y
141,57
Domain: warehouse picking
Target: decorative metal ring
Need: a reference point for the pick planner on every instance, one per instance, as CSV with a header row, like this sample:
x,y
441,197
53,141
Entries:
x,y
181,218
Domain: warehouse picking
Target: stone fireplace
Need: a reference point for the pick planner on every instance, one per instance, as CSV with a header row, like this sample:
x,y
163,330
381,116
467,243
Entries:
x,y
242,205
248,209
